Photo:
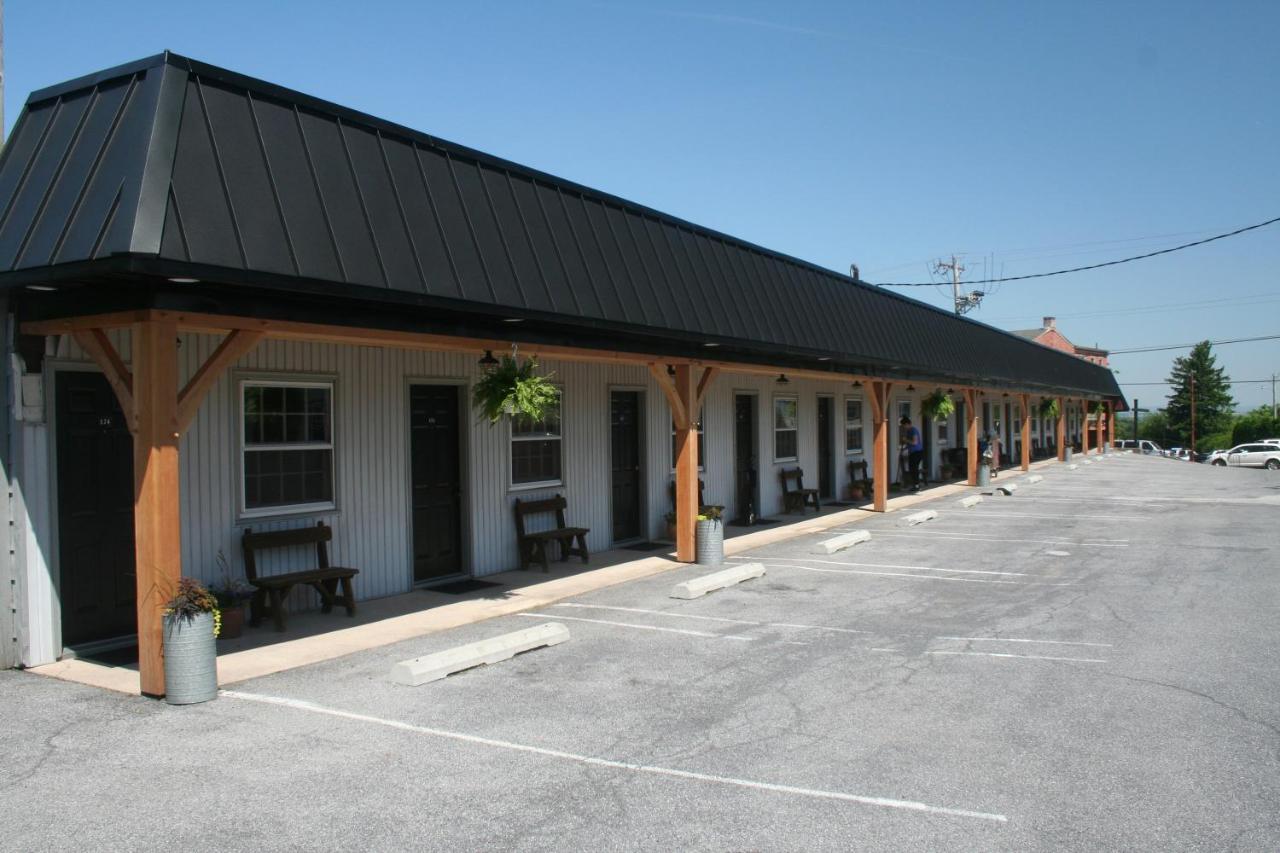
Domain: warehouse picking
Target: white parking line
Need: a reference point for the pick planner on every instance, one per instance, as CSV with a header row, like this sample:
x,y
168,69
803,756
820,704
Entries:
x,y
1023,657
988,514
966,538
641,627
947,531
906,575
676,615
885,566
1018,640
814,793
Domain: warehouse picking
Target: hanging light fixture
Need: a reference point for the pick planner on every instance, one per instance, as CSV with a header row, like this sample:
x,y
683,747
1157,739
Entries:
x,y
911,387
782,379
488,360
857,384
671,371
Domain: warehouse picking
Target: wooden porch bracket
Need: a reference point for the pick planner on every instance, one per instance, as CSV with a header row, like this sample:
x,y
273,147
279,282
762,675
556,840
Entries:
x,y
233,346
1024,403
679,417
99,347
879,399
704,384
971,433
1062,430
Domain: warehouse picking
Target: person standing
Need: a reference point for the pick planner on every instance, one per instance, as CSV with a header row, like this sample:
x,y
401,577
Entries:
x,y
914,443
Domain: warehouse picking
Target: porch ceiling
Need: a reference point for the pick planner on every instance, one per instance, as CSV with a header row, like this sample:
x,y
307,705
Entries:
x,y
279,203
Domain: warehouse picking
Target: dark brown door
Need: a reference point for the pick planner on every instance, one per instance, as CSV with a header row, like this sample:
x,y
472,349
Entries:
x,y
624,442
436,475
745,476
95,511
826,464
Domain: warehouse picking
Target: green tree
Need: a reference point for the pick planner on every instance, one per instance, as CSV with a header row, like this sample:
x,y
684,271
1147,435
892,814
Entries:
x,y
1154,426
1214,405
1255,426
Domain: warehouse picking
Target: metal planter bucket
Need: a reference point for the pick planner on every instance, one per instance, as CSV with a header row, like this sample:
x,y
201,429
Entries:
x,y
190,660
984,474
1066,455
709,542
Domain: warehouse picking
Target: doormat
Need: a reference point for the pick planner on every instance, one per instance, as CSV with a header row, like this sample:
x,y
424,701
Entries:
x,y
126,656
759,522
839,503
645,546
462,586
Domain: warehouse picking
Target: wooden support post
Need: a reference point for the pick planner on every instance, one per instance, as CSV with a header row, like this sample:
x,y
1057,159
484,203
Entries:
x,y
879,398
1024,402
1062,430
1084,427
686,462
1101,425
1111,424
156,522
971,434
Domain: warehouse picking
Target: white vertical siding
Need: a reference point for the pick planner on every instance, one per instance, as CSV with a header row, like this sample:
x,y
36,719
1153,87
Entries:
x,y
39,630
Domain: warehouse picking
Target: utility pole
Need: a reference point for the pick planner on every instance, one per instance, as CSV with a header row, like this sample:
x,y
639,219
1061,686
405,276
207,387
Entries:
x,y
1274,414
964,302
1193,413
1,72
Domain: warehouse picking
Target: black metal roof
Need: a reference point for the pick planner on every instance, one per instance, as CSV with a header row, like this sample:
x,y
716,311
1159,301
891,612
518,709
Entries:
x,y
184,167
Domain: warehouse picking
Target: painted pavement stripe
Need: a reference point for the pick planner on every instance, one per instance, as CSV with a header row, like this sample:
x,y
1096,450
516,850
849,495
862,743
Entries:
x,y
710,618
684,631
931,535
1018,640
812,793
1023,657
885,566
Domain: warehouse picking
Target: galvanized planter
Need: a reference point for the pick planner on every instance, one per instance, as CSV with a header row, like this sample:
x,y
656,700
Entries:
x,y
190,660
709,548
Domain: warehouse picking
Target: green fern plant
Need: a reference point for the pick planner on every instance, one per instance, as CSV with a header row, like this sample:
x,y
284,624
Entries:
x,y
515,388
938,406
1049,408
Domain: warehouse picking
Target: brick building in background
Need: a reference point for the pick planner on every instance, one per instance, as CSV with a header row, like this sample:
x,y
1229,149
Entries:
x,y
1049,336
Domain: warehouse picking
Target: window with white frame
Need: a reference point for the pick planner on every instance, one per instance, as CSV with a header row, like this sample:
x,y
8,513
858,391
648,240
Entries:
x,y
944,431
286,446
536,449
852,426
786,431
702,444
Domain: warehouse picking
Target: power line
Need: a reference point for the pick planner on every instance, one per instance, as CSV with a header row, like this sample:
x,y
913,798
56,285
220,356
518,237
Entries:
x,y
1094,266
1229,382
1223,302
1189,346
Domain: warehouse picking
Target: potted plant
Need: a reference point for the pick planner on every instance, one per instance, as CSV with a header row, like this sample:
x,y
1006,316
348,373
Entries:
x,y
191,623
938,406
670,519
709,534
232,595
513,387
856,492
1049,409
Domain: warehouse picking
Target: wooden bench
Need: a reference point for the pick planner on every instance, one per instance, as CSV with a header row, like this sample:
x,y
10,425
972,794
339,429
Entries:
x,y
797,498
859,476
703,506
533,546
270,592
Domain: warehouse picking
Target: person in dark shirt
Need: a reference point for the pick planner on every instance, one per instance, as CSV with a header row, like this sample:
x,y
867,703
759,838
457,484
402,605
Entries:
x,y
915,451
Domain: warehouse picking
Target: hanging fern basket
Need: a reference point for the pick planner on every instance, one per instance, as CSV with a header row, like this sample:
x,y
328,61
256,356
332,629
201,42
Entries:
x,y
1049,408
938,406
515,388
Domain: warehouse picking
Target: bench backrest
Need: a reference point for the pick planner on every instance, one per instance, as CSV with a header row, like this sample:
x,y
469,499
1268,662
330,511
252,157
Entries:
x,y
789,474
671,488
252,542
858,470
523,508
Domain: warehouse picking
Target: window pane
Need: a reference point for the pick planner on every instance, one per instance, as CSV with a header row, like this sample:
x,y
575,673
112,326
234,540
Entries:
x,y
853,410
295,399
273,429
273,399
287,477
535,461
784,444
784,414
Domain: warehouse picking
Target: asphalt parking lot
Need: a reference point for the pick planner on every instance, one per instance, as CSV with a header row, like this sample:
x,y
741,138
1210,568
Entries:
x,y
1088,664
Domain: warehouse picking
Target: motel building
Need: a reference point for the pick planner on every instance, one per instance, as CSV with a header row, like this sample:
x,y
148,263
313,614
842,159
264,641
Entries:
x,y
232,306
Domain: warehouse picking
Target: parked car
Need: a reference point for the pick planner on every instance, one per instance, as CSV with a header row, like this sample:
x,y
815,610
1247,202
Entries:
x,y
1259,455
1150,448
1271,441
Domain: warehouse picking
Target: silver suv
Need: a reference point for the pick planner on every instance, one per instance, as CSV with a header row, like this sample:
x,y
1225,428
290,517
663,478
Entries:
x,y
1258,455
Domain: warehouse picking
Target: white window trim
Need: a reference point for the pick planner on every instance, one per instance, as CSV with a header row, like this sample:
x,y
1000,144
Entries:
x,y
860,450
243,511
512,438
773,420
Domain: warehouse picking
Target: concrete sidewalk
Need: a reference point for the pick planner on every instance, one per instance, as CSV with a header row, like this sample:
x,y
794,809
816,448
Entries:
x,y
313,637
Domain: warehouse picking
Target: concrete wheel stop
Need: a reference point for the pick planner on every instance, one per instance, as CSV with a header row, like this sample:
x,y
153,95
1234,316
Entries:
x,y
698,587
839,543
435,666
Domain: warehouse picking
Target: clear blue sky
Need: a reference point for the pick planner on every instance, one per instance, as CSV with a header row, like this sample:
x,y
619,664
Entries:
x,y
1042,135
